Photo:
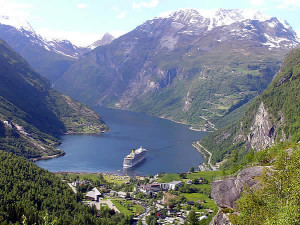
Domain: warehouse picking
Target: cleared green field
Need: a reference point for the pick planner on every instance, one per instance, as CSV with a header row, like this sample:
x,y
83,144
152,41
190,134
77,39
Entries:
x,y
209,175
166,178
94,177
121,208
208,203
115,179
127,207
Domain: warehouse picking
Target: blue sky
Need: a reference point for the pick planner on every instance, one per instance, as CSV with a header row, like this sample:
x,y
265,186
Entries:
x,y
84,21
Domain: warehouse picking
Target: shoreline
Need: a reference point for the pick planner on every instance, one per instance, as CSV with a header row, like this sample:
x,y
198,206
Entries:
x,y
59,143
189,125
47,157
199,147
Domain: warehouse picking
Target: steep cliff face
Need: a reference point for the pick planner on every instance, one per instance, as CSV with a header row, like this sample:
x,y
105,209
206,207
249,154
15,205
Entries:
x,y
272,117
263,131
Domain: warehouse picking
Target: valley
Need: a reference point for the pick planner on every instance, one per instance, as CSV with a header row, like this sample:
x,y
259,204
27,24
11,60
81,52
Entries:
x,y
211,94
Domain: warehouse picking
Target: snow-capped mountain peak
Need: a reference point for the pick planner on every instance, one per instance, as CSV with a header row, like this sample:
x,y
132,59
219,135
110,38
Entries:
x,y
10,24
106,39
17,22
216,17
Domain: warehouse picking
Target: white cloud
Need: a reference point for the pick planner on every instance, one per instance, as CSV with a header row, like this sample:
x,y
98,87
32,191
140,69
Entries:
x,y
165,14
121,13
151,4
298,33
284,4
77,38
81,6
12,8
117,33
257,2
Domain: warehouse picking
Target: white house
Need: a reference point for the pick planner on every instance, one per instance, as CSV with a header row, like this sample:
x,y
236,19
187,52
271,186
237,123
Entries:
x,y
94,194
171,186
121,194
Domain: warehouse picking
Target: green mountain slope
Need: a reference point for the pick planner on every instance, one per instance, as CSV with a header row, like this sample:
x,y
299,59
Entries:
x,y
32,115
271,118
27,191
181,68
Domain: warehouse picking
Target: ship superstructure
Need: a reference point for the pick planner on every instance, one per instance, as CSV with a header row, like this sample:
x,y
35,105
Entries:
x,y
135,157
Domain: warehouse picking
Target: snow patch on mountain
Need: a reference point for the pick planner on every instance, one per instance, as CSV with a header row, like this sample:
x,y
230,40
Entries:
x,y
216,17
17,22
276,32
62,47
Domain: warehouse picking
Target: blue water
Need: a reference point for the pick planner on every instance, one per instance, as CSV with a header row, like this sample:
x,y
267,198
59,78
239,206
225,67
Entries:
x,y
169,146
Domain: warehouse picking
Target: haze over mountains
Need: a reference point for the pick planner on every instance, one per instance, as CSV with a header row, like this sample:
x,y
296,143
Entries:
x,y
208,69
48,57
191,66
33,115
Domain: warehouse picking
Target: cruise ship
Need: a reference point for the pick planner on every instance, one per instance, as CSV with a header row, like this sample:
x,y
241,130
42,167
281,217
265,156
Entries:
x,y
134,157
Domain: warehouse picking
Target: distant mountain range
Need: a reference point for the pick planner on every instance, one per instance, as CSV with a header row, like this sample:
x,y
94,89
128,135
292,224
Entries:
x,y
198,67
50,58
190,66
33,115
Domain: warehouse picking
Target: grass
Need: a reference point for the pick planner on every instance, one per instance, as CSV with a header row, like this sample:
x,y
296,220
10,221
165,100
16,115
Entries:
x,y
166,178
138,209
94,177
202,187
127,207
195,197
208,203
121,208
115,179
209,175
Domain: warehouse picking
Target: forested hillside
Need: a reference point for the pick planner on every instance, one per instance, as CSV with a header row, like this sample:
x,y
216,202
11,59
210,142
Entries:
x,y
33,115
28,194
186,66
271,118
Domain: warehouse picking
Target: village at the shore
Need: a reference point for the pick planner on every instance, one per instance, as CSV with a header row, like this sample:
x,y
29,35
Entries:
x,y
163,198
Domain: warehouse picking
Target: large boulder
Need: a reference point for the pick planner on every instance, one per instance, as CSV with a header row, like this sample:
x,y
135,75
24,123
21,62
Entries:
x,y
226,192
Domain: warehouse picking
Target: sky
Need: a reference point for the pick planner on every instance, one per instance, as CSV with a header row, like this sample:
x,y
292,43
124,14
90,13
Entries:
x,y
85,21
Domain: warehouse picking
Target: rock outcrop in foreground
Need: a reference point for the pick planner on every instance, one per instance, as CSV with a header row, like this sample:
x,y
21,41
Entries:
x,y
226,192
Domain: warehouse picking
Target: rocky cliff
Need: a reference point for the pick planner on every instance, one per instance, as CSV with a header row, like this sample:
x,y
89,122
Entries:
x,y
271,118
226,192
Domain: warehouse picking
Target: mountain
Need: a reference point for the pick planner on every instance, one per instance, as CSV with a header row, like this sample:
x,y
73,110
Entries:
x,y
191,66
33,115
273,117
105,40
49,58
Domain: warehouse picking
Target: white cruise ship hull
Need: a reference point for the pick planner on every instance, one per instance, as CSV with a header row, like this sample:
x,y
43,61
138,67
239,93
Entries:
x,y
134,158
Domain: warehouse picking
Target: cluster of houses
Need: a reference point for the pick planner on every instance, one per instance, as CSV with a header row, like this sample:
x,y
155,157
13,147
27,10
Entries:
x,y
147,189
164,215
155,187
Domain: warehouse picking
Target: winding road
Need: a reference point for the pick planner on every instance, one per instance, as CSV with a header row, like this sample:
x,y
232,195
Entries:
x,y
197,145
